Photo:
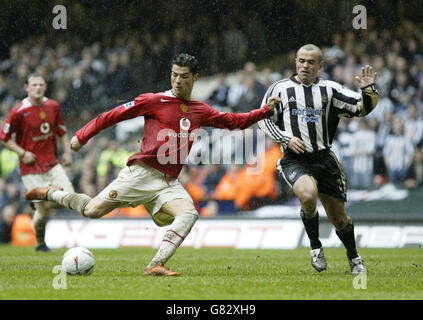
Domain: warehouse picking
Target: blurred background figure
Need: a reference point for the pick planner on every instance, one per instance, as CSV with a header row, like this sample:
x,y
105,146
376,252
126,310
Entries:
x,y
6,221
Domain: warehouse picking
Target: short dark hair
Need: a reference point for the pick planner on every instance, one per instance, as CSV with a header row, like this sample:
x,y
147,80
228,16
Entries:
x,y
34,75
186,60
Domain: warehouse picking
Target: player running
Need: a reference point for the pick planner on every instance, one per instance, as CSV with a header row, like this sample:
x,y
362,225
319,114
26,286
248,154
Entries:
x,y
150,178
305,125
37,121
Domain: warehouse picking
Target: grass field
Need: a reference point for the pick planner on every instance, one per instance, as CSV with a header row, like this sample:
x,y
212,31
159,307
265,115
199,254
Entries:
x,y
214,274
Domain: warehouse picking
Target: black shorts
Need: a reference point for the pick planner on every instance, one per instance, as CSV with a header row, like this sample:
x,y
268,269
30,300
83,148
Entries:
x,y
322,165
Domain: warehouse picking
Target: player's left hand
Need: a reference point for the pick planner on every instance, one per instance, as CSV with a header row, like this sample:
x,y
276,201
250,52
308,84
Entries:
x,y
67,159
273,102
367,76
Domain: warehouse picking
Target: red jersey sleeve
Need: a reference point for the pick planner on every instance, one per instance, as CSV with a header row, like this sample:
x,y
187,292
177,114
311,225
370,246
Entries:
x,y
141,106
9,126
214,118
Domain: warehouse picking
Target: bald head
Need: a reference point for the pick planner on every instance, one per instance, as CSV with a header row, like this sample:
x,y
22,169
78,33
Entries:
x,y
311,47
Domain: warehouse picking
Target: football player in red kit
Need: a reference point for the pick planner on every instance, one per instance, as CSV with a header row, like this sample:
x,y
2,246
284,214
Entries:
x,y
150,178
38,123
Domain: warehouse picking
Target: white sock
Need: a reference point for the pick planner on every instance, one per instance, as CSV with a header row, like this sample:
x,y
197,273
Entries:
x,y
71,200
173,237
40,222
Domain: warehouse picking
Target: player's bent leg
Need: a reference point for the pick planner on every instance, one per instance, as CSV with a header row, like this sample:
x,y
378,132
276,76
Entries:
x,y
96,208
85,205
335,209
185,216
40,219
305,188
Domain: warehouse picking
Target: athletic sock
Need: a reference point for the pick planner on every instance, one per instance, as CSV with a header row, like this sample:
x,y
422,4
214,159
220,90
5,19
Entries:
x,y
347,237
40,222
71,200
311,226
173,237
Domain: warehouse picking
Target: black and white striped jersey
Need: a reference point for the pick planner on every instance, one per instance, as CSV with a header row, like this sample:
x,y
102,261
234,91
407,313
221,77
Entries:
x,y
312,113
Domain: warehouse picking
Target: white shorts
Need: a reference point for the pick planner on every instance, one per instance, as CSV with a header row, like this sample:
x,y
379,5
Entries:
x,y
56,176
141,184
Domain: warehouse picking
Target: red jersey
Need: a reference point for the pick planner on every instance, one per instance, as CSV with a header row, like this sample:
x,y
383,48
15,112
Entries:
x,y
36,128
170,125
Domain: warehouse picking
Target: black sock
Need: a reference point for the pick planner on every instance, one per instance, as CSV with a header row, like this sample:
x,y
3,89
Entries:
x,y
312,229
347,237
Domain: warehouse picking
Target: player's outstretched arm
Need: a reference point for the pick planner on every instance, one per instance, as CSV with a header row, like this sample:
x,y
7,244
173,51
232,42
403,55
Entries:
x,y
366,80
231,121
273,102
75,145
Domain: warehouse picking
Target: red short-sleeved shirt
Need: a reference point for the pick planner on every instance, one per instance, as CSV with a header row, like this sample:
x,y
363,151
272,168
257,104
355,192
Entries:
x,y
36,128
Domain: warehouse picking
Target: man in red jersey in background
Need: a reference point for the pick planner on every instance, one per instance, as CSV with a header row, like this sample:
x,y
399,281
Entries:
x,y
36,122
150,178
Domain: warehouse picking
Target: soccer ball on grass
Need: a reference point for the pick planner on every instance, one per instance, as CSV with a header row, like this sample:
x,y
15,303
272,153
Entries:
x,y
79,261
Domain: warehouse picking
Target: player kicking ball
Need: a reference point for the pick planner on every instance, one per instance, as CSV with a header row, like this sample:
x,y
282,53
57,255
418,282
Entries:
x,y
171,118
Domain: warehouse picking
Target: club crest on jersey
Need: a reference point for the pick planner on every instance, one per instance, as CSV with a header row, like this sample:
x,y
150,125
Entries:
x,y
45,127
113,194
43,115
185,124
184,107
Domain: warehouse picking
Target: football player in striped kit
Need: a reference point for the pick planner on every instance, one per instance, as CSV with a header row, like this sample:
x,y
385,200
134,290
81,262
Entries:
x,y
305,124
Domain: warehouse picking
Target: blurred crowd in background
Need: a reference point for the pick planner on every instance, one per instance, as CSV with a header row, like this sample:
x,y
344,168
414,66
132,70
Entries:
x,y
385,147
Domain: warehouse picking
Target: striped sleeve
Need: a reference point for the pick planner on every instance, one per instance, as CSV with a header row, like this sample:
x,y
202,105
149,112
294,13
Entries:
x,y
353,104
269,125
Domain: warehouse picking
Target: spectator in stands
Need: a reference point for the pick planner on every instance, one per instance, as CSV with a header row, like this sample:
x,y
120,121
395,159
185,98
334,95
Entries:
x,y
219,96
235,46
398,152
363,145
251,97
414,177
414,125
6,221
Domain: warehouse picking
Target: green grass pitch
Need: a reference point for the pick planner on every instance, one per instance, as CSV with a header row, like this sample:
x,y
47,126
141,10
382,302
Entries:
x,y
215,274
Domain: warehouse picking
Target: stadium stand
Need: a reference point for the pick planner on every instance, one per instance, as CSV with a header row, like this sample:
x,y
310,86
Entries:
x,y
83,75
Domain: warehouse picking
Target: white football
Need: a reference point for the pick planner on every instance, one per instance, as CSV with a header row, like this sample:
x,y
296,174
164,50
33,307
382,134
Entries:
x,y
79,261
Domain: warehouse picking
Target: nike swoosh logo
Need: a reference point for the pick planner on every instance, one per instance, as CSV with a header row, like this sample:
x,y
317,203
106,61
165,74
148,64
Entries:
x,y
163,100
27,114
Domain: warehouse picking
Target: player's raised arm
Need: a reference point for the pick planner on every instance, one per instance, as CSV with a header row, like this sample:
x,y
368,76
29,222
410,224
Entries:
x,y
353,104
370,96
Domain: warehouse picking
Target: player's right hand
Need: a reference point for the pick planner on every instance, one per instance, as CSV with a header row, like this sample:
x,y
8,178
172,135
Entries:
x,y
297,145
74,144
29,158
273,102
